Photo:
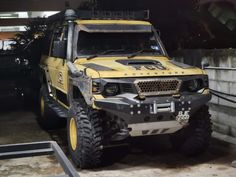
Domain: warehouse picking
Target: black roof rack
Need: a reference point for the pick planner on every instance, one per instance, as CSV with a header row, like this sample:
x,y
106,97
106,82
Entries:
x,y
71,14
116,15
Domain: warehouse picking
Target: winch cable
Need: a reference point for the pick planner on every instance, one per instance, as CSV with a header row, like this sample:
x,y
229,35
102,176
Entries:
x,y
219,95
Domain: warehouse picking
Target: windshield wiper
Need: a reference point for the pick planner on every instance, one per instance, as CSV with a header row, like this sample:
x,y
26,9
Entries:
x,y
104,53
91,57
141,51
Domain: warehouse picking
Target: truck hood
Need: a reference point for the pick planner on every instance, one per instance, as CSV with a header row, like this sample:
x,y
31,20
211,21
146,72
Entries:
x,y
141,66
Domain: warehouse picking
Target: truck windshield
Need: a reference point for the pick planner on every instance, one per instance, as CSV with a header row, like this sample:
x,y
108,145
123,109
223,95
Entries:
x,y
117,43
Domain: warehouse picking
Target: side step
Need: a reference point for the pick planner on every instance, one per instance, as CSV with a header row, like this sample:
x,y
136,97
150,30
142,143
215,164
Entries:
x,y
56,107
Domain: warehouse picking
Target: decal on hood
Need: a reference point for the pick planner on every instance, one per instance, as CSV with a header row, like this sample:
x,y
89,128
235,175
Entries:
x,y
97,67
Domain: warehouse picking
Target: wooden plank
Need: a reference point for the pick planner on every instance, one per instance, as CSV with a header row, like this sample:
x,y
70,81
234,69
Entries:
x,y
7,35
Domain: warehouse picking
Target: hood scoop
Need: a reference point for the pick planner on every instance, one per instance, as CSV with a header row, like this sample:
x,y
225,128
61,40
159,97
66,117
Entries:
x,y
148,64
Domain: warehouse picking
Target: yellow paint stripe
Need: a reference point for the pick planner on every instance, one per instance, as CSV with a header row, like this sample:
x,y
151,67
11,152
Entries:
x,y
100,22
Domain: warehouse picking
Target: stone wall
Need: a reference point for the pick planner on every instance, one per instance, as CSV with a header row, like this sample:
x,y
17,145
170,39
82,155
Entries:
x,y
222,77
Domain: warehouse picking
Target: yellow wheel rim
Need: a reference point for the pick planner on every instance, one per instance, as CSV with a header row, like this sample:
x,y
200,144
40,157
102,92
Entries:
x,y
73,134
42,106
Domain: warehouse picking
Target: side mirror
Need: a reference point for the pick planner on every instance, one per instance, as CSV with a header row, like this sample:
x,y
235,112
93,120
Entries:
x,y
59,49
205,63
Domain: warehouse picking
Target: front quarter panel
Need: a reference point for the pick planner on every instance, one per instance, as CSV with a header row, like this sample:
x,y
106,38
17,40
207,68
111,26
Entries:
x,y
87,71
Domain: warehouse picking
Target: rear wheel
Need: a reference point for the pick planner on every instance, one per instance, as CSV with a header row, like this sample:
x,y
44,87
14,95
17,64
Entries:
x,y
194,138
85,138
47,119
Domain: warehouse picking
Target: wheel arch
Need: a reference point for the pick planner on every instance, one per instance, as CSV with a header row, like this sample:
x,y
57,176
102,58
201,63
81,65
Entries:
x,y
80,88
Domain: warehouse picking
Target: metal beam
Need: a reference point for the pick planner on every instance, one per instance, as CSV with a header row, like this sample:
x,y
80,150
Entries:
x,y
15,21
37,149
37,5
201,2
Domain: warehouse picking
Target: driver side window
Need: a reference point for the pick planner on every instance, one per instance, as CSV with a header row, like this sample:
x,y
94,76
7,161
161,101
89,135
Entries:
x,y
59,43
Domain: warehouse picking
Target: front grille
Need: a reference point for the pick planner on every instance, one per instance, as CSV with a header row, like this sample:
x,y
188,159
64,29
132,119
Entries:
x,y
163,86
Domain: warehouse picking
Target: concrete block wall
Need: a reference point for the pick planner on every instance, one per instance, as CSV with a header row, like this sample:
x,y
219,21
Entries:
x,y
223,81
222,78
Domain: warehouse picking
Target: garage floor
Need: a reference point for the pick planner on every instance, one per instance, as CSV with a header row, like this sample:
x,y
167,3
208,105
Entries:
x,y
151,157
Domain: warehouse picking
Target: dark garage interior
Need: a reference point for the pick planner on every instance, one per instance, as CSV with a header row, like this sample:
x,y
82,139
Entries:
x,y
100,88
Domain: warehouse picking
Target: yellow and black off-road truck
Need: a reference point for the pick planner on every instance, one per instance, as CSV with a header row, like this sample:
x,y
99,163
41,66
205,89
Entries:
x,y
109,75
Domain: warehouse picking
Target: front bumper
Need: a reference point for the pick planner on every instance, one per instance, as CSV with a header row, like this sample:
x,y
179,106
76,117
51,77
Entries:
x,y
156,115
131,109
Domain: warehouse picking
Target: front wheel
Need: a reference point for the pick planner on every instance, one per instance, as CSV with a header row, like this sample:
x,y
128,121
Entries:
x,y
194,138
84,132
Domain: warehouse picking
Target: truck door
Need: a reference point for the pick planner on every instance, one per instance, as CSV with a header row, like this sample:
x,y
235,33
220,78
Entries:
x,y
58,70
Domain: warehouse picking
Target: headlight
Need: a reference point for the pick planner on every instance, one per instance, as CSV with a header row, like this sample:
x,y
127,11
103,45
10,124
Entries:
x,y
96,87
111,89
195,85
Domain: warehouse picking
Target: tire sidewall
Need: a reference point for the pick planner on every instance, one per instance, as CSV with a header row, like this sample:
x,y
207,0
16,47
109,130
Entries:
x,y
195,138
87,153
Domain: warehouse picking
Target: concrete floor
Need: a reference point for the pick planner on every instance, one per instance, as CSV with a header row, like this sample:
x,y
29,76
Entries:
x,y
151,157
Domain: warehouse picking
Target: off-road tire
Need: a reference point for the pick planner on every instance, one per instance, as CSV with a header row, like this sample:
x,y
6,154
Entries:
x,y
47,119
88,150
195,138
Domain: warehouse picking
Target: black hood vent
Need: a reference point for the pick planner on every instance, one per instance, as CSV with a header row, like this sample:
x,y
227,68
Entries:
x,y
145,63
